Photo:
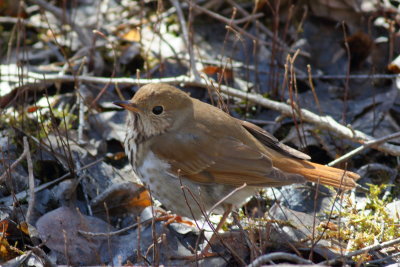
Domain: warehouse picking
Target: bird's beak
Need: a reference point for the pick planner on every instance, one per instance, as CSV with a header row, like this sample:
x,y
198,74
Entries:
x,y
127,105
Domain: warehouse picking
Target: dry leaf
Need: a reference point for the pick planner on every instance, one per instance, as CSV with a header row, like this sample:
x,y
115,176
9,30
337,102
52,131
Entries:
x,y
394,66
32,109
59,231
213,70
11,235
122,199
133,35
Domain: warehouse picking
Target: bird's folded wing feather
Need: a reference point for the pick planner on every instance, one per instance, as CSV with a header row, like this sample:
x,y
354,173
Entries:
x,y
270,141
223,161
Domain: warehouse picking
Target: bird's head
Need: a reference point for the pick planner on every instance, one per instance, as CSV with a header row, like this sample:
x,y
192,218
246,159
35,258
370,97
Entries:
x,y
157,108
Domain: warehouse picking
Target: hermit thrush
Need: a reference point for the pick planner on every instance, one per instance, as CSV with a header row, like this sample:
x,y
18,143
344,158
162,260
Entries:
x,y
192,155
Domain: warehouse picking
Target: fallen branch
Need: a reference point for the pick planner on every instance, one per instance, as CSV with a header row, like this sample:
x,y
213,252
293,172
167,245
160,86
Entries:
x,y
118,232
363,147
262,260
323,122
385,259
362,251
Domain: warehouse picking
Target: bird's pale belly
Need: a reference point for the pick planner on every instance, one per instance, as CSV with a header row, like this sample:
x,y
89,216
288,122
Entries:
x,y
166,187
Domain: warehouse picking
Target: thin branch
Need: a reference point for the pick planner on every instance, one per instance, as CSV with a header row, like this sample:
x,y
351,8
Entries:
x,y
301,75
22,195
385,259
22,21
363,147
260,25
32,200
10,74
81,112
121,231
234,191
186,39
323,122
43,256
14,165
207,220
84,37
233,25
278,256
362,251
353,76
224,19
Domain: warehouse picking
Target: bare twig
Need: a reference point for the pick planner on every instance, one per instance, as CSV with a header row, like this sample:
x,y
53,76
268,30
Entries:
x,y
81,108
352,76
363,147
121,231
234,191
324,122
301,75
21,195
346,80
310,78
43,256
224,19
58,13
207,220
362,251
230,24
278,256
66,245
261,26
15,164
252,246
31,203
186,39
385,259
10,74
22,21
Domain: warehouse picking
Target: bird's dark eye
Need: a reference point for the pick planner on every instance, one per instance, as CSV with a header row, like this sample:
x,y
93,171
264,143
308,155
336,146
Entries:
x,y
157,110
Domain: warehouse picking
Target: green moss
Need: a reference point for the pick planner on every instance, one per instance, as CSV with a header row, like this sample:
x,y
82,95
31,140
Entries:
x,y
368,226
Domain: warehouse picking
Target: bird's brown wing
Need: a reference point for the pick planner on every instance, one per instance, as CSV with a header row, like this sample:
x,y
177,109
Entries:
x,y
290,160
223,161
270,141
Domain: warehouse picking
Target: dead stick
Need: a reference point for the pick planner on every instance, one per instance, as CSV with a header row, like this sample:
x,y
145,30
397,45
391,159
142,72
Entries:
x,y
14,165
260,261
324,122
31,203
21,195
362,251
363,147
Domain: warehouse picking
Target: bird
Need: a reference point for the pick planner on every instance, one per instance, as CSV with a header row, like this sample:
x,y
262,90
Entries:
x,y
196,159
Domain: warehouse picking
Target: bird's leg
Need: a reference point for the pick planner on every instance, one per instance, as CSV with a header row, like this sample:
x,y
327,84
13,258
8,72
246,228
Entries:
x,y
205,251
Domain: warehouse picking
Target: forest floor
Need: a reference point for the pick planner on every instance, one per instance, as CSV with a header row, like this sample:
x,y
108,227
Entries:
x,y
321,77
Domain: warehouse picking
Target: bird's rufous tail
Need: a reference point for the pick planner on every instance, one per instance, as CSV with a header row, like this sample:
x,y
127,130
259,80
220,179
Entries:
x,y
318,173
